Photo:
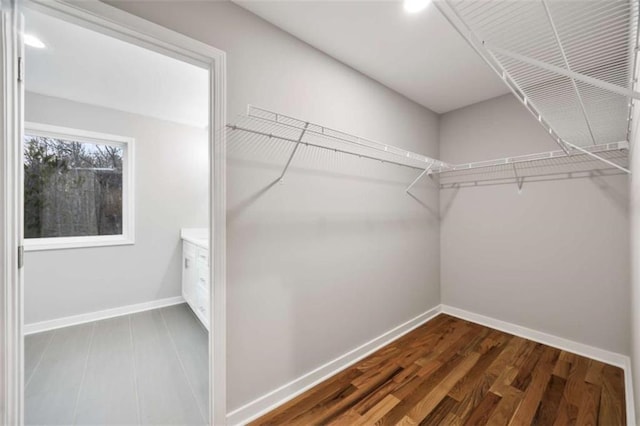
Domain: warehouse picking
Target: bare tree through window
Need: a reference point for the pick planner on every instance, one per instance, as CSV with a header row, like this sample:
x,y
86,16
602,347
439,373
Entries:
x,y
72,188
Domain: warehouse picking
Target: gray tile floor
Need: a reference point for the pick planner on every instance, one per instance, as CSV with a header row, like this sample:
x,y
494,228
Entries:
x,y
148,368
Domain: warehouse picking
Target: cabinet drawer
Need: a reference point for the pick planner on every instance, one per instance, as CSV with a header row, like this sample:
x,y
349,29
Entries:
x,y
203,257
188,249
202,305
203,277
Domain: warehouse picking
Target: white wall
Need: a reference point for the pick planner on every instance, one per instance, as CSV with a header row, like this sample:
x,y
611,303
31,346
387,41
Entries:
x,y
336,255
171,192
554,258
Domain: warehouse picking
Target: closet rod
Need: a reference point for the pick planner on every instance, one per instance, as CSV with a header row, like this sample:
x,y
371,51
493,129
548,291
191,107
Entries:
x,y
297,142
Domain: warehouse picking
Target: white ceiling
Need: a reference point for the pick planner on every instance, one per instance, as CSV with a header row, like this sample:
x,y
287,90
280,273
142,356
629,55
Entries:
x,y
418,55
85,66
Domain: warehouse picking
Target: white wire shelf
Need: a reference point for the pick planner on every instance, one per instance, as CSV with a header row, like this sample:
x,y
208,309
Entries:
x,y
547,165
336,140
260,124
571,63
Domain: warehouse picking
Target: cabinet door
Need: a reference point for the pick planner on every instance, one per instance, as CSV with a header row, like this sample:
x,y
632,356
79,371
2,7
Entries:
x,y
202,289
203,267
189,273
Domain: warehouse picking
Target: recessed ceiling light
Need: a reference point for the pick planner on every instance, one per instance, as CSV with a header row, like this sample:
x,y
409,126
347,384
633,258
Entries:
x,y
413,6
33,41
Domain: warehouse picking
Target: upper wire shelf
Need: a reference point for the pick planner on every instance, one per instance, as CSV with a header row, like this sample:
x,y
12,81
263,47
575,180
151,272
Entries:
x,y
571,63
260,124
545,165
313,134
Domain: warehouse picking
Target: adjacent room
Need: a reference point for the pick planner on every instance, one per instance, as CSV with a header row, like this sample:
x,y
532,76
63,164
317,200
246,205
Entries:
x,y
310,212
116,214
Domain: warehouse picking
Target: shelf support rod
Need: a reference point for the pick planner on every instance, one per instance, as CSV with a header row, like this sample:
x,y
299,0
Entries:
x,y
425,171
597,157
295,148
568,67
571,74
519,180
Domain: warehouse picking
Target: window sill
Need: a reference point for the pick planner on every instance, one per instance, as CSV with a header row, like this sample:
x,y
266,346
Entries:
x,y
64,243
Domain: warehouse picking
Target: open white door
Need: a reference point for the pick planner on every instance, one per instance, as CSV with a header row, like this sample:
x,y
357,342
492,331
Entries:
x,y
11,123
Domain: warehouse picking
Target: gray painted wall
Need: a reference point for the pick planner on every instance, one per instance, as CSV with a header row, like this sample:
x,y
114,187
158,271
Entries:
x,y
336,255
171,192
554,258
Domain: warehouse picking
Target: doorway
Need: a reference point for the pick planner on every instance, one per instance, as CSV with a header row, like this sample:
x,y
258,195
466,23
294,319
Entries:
x,y
112,192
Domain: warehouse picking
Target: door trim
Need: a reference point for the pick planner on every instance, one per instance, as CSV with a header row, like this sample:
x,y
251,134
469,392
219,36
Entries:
x,y
11,344
109,20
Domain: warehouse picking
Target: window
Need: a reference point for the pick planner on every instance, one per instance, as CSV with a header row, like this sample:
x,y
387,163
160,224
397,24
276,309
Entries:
x,y
77,188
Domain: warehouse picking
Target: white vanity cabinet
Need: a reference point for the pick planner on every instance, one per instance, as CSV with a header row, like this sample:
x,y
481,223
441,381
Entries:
x,y
195,277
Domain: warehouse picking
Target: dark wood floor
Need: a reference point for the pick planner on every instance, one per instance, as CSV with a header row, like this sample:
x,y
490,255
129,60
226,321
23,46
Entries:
x,y
451,372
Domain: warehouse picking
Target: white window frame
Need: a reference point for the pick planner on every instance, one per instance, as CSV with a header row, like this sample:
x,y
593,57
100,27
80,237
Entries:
x,y
128,212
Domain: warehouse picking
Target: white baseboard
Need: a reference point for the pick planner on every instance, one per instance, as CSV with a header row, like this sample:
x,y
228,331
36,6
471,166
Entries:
x,y
592,352
279,396
628,390
38,327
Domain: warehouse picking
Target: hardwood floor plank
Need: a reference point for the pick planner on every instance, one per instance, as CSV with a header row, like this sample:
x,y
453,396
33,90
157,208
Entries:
x,y
506,358
433,398
346,403
575,386
453,372
562,368
594,372
439,414
523,379
503,412
468,382
373,376
474,397
480,415
612,397
503,383
479,342
548,409
309,400
567,413
379,410
588,410
534,392
411,394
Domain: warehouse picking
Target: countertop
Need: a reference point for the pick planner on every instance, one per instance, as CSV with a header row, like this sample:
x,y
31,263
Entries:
x,y
197,236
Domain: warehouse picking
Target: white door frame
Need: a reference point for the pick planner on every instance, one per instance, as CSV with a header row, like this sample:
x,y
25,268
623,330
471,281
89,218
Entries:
x,y
11,343
117,23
